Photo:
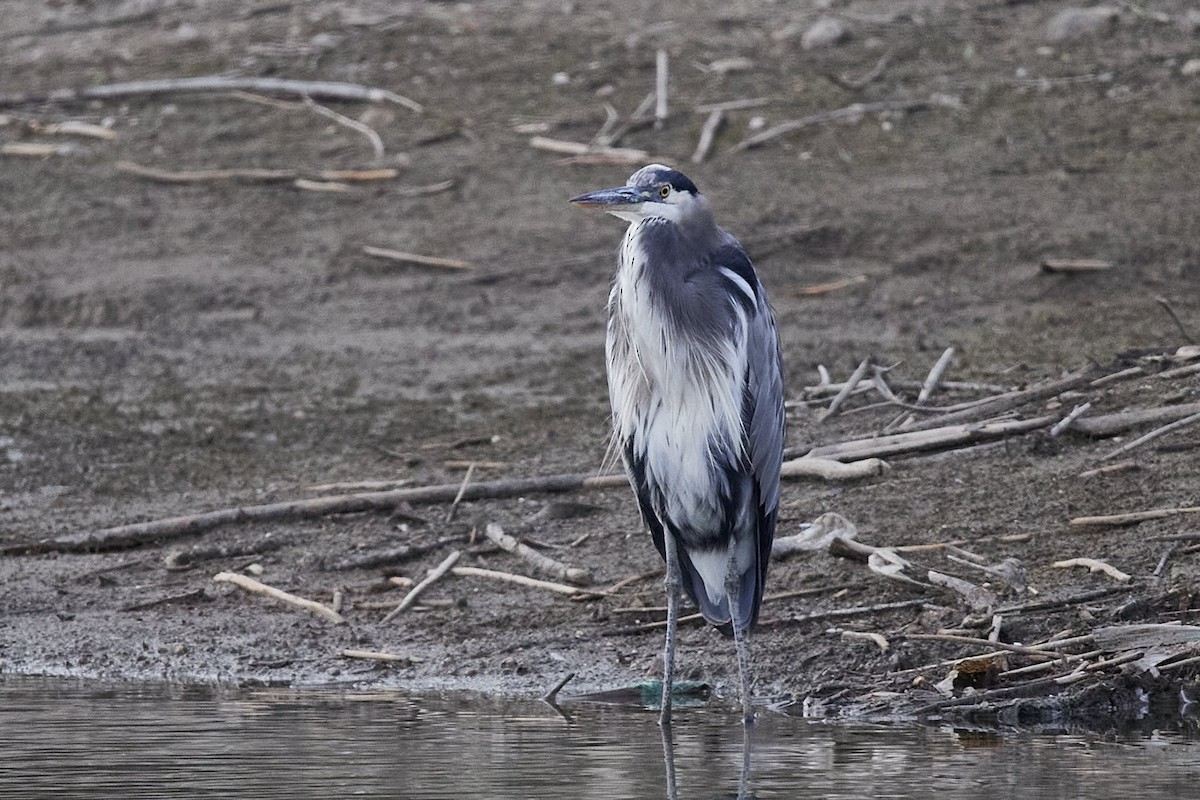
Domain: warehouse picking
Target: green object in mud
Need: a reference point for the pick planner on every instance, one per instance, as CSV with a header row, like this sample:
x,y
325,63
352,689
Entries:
x,y
648,694
684,694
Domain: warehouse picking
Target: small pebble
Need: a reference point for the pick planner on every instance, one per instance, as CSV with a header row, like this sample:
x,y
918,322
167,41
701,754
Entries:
x,y
1191,67
1076,23
825,32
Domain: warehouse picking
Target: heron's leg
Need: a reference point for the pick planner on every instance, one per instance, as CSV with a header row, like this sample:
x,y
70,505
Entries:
x,y
668,744
732,591
673,585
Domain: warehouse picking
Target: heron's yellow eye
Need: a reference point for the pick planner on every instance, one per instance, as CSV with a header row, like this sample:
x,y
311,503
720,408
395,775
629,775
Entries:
x,y
664,192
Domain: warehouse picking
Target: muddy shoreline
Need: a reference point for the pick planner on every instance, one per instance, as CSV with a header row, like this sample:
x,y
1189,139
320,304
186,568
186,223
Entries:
x,y
173,348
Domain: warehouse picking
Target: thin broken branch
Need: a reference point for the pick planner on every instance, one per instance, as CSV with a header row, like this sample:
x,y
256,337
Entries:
x,y
257,587
1152,435
849,112
413,258
251,174
521,580
541,563
707,134
1135,517
326,90
1094,565
434,575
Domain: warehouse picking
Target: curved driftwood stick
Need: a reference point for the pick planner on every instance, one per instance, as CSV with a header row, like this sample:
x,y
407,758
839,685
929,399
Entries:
x,y
325,90
541,563
258,587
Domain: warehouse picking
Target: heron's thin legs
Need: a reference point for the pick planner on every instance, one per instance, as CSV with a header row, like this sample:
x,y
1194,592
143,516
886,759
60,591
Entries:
x,y
732,592
744,775
672,583
668,744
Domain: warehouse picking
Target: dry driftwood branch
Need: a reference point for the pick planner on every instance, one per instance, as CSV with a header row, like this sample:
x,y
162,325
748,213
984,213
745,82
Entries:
x,y
540,562
383,558
251,174
332,187
819,536
1166,306
346,122
552,695
1066,422
734,105
520,580
1005,402
1135,517
847,388
183,559
466,481
877,638
867,77
851,111
817,289
842,613
35,149
325,90
1093,565
1075,265
1033,652
357,486
661,71
257,587
413,258
936,438
1070,600
832,469
935,375
1152,435
373,655
1108,424
139,533
415,592
422,191
977,597
707,134
623,155
74,127
1110,469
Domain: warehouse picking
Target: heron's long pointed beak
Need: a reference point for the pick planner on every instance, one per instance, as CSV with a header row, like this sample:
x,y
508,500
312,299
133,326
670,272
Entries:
x,y
607,198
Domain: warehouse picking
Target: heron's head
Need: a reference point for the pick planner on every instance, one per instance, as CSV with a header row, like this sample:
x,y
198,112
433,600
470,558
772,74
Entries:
x,y
652,191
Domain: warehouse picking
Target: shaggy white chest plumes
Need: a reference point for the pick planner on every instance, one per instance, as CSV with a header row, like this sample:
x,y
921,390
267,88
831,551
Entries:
x,y
676,394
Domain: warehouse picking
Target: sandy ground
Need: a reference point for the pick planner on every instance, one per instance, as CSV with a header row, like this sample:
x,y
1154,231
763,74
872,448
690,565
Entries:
x,y
170,349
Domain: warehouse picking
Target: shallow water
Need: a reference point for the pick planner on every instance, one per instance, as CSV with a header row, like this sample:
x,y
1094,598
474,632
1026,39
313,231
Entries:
x,y
71,740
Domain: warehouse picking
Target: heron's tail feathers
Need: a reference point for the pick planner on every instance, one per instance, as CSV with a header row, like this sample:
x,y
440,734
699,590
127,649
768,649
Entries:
x,y
709,593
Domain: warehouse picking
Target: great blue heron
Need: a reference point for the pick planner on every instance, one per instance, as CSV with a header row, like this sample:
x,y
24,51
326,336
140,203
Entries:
x,y
695,382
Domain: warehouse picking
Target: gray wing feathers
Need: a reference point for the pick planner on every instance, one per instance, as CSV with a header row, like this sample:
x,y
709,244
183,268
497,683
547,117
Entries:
x,y
764,429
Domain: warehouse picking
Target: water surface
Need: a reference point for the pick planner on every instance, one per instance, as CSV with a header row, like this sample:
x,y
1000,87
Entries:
x,y
72,740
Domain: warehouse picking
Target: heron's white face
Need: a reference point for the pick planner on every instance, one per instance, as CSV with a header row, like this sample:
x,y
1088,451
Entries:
x,y
662,200
653,192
